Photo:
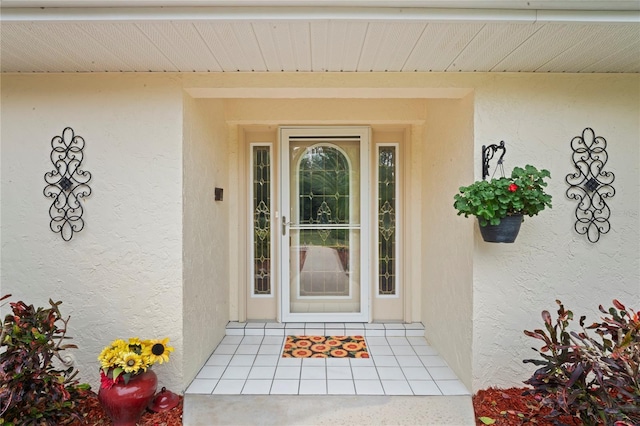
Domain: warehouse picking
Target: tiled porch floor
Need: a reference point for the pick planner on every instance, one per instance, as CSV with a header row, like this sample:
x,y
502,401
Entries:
x,y
249,361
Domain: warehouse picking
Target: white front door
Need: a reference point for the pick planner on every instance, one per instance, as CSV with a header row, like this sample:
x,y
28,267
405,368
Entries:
x,y
324,223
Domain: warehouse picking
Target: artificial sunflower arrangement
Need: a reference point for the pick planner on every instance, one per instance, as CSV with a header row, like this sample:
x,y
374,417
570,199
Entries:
x,y
121,360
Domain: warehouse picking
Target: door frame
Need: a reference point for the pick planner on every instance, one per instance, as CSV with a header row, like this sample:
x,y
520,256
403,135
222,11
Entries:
x,y
364,132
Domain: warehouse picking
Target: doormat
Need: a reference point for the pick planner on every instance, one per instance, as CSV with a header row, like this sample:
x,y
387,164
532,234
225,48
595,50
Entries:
x,y
325,347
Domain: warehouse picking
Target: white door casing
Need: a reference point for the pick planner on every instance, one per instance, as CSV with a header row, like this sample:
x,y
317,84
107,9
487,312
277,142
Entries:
x,y
324,224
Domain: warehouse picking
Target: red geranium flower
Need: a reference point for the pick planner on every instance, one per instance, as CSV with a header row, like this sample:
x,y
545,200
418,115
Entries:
x,y
513,187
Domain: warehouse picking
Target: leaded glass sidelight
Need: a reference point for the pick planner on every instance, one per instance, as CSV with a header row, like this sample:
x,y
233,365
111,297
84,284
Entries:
x,y
387,259
261,177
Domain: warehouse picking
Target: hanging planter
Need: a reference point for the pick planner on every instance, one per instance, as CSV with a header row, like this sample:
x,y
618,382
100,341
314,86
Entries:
x,y
500,204
504,232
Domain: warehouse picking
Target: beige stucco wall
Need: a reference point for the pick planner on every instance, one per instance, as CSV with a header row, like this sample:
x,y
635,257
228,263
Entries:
x,y
446,286
134,239
121,276
537,116
205,231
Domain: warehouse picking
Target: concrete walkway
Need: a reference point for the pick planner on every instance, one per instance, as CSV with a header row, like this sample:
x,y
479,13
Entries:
x,y
282,410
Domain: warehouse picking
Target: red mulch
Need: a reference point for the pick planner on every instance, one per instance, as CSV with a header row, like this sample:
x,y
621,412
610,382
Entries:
x,y
94,415
509,408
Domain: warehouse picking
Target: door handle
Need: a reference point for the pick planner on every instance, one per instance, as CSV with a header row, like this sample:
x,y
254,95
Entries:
x,y
284,226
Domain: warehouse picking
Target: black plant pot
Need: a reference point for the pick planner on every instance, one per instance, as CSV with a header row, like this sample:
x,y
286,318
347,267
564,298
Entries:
x,y
505,232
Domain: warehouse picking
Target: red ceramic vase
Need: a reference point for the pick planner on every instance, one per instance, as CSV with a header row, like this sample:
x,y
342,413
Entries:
x,y
124,404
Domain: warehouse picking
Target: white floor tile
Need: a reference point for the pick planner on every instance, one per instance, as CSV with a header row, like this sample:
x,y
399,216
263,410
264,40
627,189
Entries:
x,y
248,362
364,373
416,373
275,325
361,362
312,372
289,362
396,387
390,373
241,360
257,387
369,387
374,326
432,361
452,387
337,362
398,341
225,350
231,340
262,373
201,386
236,373
314,362
340,387
273,340
397,350
339,373
252,340
219,359
247,349
394,326
385,361
270,349
314,325
418,341
284,387
424,387
414,326
228,387
376,350
236,324
266,360
409,361
425,350
313,387
287,373
442,373
375,340
211,372
395,333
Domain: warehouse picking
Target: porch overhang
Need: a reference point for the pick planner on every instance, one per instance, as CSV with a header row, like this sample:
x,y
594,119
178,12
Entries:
x,y
320,36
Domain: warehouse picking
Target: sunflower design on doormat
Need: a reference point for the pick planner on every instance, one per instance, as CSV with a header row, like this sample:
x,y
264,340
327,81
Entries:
x,y
325,347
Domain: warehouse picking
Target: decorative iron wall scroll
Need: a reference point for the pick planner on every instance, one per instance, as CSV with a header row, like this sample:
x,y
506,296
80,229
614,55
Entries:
x,y
590,185
67,184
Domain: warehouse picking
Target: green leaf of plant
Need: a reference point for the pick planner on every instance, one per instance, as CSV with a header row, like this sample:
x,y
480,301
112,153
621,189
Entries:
x,y
487,420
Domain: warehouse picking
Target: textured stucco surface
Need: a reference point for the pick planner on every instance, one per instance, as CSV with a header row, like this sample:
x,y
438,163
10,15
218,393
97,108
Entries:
x,y
537,116
121,276
446,290
205,231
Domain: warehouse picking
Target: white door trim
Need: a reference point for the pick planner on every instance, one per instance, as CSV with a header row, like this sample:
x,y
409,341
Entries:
x,y
326,133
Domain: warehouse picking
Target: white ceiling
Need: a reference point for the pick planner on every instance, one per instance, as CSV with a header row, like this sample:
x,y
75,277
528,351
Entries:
x,y
213,37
